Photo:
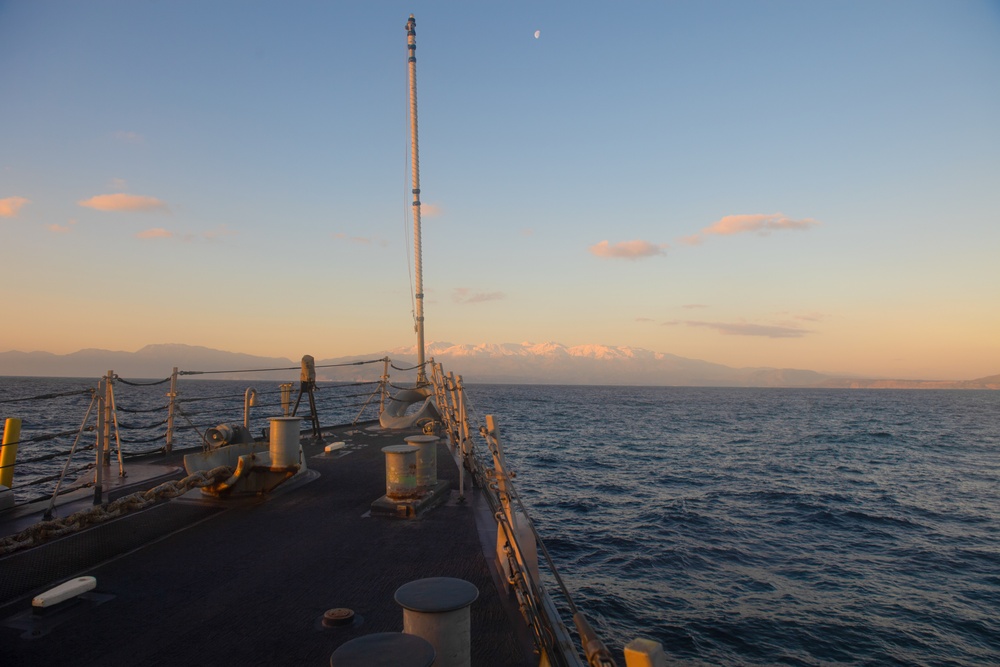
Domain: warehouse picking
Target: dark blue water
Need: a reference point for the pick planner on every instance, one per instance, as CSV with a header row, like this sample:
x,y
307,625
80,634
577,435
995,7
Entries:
x,y
735,526
769,526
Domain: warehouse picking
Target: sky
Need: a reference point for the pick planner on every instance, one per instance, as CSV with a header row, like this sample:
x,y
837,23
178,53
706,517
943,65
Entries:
x,y
782,184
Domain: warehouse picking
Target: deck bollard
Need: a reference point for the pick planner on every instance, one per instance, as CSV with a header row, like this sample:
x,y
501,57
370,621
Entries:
x,y
426,460
284,444
437,609
384,649
400,472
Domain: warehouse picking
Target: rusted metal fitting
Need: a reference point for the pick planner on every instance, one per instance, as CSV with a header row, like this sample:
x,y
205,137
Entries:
x,y
339,616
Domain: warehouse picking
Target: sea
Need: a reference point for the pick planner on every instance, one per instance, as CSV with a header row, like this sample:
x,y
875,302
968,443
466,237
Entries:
x,y
735,526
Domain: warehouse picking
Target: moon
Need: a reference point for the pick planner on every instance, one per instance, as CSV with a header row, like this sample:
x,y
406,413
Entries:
x,y
537,33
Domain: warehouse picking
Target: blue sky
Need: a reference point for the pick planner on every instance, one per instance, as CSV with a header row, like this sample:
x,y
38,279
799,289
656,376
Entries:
x,y
792,184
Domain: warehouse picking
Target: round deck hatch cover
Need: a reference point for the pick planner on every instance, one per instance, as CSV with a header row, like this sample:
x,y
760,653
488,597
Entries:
x,y
436,594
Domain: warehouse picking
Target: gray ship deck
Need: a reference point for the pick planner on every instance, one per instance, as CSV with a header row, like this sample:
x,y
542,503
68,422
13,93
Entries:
x,y
207,582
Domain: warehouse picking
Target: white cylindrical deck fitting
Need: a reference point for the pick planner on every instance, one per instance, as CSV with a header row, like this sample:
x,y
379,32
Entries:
x,y
400,471
437,609
284,445
426,445
384,649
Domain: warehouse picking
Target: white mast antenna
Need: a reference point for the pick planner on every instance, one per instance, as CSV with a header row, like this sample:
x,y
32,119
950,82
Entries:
x,y
411,45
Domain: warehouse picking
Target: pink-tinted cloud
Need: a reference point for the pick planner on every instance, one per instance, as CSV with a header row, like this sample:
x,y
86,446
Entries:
x,y
155,233
124,202
628,249
643,319
693,306
61,229
431,210
466,295
747,329
760,223
11,205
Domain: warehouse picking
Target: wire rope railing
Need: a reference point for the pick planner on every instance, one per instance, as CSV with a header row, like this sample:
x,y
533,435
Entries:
x,y
517,539
129,418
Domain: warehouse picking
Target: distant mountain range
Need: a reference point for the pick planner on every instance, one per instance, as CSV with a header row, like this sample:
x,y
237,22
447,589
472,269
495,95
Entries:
x,y
514,363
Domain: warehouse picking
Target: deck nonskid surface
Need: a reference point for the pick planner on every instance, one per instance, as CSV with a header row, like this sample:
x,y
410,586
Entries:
x,y
249,585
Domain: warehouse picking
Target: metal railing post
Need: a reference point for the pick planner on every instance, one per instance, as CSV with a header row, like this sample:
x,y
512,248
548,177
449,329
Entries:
x,y
99,444
171,410
384,383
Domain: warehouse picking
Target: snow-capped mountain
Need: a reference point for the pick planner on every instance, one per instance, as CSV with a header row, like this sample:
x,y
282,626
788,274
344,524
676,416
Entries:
x,y
554,363
517,363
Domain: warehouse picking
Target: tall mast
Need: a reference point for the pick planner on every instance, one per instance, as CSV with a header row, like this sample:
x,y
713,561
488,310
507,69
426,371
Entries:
x,y
411,45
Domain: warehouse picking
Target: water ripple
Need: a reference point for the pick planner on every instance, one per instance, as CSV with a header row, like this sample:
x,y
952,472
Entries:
x,y
759,527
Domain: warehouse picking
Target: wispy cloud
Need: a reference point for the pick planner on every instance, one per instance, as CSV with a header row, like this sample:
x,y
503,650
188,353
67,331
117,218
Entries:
x,y
56,228
431,210
693,306
644,319
211,235
466,295
361,240
218,233
124,202
628,249
759,223
155,233
11,205
748,329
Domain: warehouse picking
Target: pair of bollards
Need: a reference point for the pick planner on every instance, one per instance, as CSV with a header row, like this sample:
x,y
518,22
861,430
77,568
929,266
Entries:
x,y
436,629
411,469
